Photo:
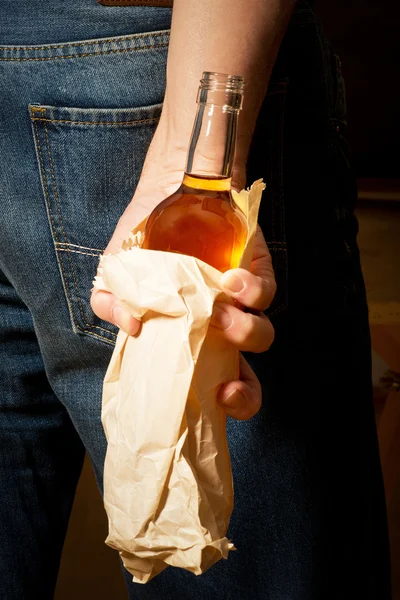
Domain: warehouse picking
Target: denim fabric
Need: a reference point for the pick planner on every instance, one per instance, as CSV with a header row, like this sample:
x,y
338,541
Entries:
x,y
76,118
41,22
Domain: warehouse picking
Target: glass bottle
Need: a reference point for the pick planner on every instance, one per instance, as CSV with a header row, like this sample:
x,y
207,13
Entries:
x,y
201,218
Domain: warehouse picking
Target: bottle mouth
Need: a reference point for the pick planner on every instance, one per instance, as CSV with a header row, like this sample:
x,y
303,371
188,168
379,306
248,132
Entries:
x,y
221,81
221,90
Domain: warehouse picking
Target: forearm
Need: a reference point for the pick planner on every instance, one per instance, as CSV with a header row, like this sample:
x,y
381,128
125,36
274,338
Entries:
x,y
240,37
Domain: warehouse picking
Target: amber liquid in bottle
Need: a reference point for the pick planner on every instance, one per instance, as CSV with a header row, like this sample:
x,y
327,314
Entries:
x,y
200,221
201,218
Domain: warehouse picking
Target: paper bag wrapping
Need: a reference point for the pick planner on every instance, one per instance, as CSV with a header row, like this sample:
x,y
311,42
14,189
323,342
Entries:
x,y
168,487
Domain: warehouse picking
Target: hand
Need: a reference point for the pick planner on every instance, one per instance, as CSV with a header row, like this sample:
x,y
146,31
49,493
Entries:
x,y
161,176
248,331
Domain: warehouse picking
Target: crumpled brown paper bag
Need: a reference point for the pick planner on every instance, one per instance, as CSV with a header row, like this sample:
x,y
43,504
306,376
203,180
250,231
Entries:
x,y
167,477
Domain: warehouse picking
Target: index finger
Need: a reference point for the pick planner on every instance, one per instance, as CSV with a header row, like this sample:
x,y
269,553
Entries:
x,y
255,288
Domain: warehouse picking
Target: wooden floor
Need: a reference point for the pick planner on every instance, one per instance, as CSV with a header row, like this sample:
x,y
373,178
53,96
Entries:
x,y
379,242
90,569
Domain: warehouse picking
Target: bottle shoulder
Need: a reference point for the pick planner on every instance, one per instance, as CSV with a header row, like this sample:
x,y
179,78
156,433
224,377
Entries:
x,y
186,196
213,209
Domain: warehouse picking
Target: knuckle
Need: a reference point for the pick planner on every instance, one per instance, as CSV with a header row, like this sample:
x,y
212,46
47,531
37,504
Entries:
x,y
272,287
262,292
267,293
249,412
264,342
247,329
261,288
266,336
245,416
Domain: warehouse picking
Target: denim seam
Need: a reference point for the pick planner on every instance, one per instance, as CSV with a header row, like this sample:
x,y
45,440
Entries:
x,y
111,51
113,40
61,223
98,335
56,197
149,120
78,246
78,252
47,198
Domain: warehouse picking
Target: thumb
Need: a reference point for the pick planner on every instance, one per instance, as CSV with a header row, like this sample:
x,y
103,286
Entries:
x,y
106,306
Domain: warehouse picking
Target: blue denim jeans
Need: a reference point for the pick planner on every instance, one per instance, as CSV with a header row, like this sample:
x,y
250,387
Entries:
x,y
81,87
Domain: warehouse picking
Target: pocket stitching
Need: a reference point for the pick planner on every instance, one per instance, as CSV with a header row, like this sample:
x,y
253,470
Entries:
x,y
97,250
54,229
111,40
46,192
149,120
78,252
65,237
111,51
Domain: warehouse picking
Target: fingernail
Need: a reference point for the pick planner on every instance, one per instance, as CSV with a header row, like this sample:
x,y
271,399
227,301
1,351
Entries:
x,y
123,319
234,399
220,317
232,283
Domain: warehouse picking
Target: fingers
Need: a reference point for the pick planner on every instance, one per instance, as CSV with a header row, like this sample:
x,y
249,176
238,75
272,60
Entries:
x,y
106,307
248,289
241,399
246,331
256,288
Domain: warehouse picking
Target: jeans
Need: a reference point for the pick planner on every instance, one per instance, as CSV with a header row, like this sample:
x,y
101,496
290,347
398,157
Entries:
x,y
82,86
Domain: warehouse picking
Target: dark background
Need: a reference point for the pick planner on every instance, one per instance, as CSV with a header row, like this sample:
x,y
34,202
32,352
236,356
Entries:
x,y
366,35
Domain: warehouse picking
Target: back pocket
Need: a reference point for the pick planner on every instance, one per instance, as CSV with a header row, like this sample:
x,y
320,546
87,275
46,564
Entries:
x,y
90,161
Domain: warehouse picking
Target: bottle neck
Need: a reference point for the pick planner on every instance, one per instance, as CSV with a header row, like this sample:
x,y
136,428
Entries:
x,y
212,146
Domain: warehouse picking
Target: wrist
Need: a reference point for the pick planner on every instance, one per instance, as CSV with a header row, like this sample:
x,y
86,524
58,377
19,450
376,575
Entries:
x,y
176,122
